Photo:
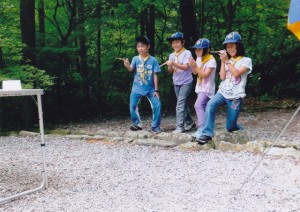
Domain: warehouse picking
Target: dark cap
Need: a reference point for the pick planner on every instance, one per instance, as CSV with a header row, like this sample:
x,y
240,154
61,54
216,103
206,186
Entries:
x,y
142,39
176,36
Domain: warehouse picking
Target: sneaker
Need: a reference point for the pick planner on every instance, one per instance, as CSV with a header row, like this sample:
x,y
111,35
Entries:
x,y
155,130
190,127
178,131
197,133
203,139
135,128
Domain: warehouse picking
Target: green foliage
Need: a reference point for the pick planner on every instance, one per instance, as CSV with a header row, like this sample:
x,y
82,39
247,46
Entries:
x,y
73,93
265,98
31,77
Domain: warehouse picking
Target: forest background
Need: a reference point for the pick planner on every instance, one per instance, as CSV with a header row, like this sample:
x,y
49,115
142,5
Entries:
x,y
68,48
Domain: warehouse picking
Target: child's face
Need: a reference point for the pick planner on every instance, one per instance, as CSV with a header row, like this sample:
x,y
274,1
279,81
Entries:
x,y
177,45
142,48
231,49
199,52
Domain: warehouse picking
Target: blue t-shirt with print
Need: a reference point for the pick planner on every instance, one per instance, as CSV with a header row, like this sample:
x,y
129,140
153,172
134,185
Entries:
x,y
143,77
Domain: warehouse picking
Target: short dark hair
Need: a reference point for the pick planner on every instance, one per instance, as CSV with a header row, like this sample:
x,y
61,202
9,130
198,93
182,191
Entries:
x,y
142,39
240,49
180,39
205,50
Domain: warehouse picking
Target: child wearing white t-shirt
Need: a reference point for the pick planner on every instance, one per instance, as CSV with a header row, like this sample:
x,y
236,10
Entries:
x,y
235,68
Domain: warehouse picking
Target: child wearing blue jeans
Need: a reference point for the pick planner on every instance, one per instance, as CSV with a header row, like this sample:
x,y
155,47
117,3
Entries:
x,y
178,64
235,68
145,68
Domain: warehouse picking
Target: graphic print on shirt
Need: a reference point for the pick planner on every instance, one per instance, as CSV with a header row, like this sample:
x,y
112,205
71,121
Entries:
x,y
143,74
230,82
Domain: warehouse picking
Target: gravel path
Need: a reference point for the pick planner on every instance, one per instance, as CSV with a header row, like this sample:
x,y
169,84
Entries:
x,y
98,176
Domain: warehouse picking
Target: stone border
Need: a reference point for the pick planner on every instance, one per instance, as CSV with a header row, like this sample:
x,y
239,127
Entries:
x,y
236,141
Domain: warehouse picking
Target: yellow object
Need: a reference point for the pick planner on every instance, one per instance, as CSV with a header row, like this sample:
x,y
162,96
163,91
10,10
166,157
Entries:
x,y
176,58
143,65
294,18
206,58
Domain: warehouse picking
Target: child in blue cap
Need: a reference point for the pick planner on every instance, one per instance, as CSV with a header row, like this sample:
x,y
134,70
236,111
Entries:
x,y
178,64
235,68
205,69
145,68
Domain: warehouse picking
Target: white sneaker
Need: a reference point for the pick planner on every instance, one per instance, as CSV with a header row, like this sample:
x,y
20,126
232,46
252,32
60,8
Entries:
x,y
197,133
178,131
190,127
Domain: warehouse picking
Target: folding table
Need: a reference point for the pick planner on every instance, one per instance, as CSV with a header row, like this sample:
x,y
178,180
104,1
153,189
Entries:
x,y
38,93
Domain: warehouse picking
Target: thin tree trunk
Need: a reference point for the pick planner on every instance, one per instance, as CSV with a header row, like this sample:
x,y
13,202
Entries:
x,y
144,21
83,54
2,64
188,21
151,28
27,20
41,12
98,66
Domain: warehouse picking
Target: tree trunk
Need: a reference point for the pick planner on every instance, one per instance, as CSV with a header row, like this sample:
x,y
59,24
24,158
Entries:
x,y
98,66
144,21
151,28
27,20
83,54
2,64
41,12
188,21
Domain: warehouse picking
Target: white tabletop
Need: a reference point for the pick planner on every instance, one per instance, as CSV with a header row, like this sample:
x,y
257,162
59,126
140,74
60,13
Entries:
x,y
22,92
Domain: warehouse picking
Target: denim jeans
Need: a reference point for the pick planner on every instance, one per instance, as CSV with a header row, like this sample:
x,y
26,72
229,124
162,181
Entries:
x,y
155,105
183,116
233,111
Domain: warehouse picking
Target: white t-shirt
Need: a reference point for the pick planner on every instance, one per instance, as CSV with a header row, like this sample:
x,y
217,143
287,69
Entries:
x,y
208,85
234,88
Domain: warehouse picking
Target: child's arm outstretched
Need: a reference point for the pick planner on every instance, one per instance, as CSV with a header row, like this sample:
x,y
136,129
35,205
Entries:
x,y
156,92
127,65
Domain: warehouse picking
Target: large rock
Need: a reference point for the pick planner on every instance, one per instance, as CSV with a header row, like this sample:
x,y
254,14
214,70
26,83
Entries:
x,y
250,146
236,137
110,133
155,142
140,134
284,152
281,144
178,138
195,146
28,133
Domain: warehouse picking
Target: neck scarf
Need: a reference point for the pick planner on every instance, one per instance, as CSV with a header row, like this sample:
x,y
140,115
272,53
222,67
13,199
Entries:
x,y
143,65
234,60
176,58
206,58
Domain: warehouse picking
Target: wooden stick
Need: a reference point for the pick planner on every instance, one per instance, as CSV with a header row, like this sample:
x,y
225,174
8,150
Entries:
x,y
215,52
163,64
118,58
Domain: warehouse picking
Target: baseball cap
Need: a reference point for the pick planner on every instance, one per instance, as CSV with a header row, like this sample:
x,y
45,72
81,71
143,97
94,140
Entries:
x,y
142,39
202,43
175,36
232,37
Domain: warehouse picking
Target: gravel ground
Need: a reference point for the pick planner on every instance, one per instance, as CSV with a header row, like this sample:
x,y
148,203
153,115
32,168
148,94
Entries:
x,y
98,176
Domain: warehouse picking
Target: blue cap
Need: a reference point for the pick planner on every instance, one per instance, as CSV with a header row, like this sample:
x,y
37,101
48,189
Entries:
x,y
175,36
202,43
232,37
142,39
